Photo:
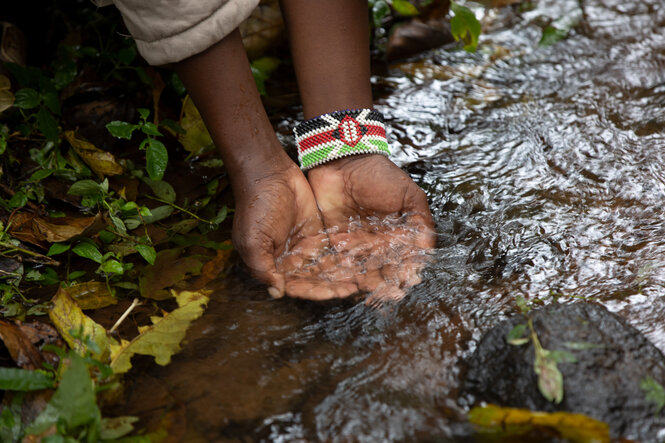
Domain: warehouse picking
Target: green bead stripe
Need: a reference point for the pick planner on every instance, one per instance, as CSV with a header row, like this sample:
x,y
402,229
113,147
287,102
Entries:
x,y
321,155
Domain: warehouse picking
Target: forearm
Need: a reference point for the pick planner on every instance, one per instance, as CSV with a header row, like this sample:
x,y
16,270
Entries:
x,y
220,82
330,47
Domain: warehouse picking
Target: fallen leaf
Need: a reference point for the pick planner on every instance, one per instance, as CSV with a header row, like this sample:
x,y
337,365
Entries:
x,y
101,162
161,339
68,318
506,422
197,139
20,347
213,267
91,295
60,229
168,270
6,95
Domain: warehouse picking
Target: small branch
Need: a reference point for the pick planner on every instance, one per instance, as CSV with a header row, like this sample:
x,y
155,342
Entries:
x,y
131,307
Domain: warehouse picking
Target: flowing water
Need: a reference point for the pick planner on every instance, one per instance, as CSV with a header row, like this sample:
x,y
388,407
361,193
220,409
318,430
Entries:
x,y
545,171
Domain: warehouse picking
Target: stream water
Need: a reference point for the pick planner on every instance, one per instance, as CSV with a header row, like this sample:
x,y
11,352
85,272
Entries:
x,y
545,172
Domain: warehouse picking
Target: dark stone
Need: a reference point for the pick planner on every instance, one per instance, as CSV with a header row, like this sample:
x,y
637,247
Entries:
x,y
604,382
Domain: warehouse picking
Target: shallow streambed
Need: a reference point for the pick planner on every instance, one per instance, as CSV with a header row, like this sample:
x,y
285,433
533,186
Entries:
x,y
545,171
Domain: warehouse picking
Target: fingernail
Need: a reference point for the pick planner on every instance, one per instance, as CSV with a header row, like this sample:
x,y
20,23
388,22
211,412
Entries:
x,y
274,292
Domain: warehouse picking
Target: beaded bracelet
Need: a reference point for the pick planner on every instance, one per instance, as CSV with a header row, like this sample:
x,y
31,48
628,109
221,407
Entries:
x,y
339,134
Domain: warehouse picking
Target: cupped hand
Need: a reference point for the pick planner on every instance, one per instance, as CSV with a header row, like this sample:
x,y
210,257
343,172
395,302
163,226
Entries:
x,y
278,231
378,221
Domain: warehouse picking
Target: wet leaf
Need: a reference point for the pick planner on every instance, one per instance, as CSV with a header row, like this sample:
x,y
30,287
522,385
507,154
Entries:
x,y
91,295
67,316
27,98
116,427
57,248
112,267
150,128
552,35
507,422
15,379
465,26
87,188
196,139
550,379
74,402
516,335
101,162
404,7
162,339
121,129
21,349
162,190
147,252
88,250
212,268
168,270
653,392
521,304
61,229
158,213
6,96
156,159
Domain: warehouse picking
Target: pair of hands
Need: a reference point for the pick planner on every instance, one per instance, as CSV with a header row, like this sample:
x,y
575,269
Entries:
x,y
357,224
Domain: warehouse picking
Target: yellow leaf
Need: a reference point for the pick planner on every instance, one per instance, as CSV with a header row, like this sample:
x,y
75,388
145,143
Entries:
x,y
91,295
162,339
67,316
101,162
197,139
504,422
6,95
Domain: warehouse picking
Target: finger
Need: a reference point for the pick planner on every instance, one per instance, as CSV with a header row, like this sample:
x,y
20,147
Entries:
x,y
370,280
261,263
384,293
316,289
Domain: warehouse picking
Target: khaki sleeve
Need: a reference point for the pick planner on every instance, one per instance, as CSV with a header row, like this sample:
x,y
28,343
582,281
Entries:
x,y
167,31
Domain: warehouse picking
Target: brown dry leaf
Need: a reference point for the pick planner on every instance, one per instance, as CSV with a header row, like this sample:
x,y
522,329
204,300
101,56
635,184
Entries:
x,y
169,270
20,227
506,422
55,230
6,95
101,162
213,267
21,349
91,295
262,28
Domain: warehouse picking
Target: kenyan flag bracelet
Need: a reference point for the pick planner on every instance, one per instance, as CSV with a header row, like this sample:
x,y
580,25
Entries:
x,y
340,134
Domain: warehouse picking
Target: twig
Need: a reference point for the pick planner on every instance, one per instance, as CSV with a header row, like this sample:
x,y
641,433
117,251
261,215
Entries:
x,y
131,307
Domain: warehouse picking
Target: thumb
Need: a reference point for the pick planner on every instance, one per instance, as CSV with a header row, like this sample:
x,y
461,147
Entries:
x,y
262,265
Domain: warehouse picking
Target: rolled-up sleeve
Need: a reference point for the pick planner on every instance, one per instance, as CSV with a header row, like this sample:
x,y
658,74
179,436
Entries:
x,y
167,31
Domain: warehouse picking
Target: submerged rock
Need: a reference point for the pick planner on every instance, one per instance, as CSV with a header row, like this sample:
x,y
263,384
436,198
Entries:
x,y
613,360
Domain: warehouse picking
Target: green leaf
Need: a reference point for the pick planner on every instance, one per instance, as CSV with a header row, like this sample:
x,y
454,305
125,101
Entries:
x,y
158,213
262,68
221,215
112,267
18,200
52,102
380,9
516,335
582,346
47,124
404,7
465,26
15,379
26,98
57,248
116,427
562,356
552,35
144,113
521,304
119,224
121,129
147,252
653,392
88,250
162,190
41,174
156,159
162,339
86,188
150,129
73,403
